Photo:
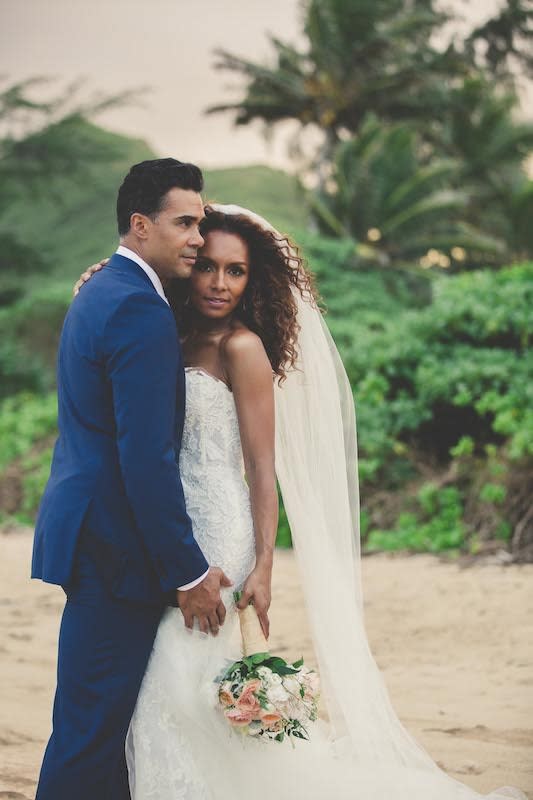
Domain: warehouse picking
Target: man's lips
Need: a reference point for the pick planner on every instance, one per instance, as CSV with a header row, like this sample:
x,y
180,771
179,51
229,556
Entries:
x,y
190,259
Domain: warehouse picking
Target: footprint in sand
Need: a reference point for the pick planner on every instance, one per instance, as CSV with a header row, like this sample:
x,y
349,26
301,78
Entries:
x,y
19,782
9,738
468,768
513,736
21,637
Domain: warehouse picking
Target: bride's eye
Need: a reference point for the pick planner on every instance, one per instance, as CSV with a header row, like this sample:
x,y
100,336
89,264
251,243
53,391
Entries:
x,y
202,266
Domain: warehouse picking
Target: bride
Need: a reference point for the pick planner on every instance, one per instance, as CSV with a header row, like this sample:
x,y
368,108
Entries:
x,y
247,314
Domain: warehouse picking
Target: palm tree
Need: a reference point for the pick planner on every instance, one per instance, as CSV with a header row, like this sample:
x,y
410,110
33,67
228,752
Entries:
x,y
507,39
419,145
394,206
365,56
492,148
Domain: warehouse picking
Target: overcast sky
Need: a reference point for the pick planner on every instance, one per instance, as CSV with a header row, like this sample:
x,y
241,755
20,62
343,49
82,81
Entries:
x,y
166,45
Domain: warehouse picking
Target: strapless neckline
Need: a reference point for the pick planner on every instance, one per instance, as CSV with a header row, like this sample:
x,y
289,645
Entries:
x,y
202,371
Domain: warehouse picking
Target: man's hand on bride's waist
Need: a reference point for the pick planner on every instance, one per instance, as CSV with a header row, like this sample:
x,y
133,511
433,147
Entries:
x,y
203,601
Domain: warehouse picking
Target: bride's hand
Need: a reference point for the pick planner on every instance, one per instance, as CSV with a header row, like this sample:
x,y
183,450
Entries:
x,y
84,277
257,590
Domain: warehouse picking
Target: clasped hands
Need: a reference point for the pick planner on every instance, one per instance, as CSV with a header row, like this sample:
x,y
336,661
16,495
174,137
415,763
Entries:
x,y
204,603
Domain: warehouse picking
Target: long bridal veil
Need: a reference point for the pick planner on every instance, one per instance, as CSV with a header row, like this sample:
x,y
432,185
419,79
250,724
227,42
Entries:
x,y
316,465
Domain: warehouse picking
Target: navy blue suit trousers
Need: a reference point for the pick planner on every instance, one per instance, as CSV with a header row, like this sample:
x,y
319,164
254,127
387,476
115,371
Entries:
x,y
104,647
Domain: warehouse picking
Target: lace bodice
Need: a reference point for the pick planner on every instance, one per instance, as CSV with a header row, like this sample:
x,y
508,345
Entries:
x,y
211,429
212,473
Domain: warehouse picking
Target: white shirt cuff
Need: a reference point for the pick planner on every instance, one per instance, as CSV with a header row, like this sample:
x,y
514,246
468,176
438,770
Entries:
x,y
194,583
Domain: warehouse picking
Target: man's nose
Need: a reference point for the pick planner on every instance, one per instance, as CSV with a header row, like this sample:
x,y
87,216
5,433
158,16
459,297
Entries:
x,y
196,239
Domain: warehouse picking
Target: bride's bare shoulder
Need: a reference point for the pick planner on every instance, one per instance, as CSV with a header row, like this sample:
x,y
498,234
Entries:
x,y
243,349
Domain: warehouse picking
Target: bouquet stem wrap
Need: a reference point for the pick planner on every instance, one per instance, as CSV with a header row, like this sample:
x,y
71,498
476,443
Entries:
x,y
253,638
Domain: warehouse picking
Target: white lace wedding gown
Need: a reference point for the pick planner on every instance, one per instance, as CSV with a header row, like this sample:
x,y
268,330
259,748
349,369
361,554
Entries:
x,y
179,747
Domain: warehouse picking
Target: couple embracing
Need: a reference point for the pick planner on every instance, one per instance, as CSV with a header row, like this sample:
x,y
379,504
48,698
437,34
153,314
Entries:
x,y
194,368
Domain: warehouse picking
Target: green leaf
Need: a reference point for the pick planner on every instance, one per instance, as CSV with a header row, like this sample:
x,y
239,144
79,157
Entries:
x,y
259,658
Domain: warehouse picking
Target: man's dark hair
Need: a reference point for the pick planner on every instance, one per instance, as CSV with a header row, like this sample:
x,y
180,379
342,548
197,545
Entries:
x,y
146,184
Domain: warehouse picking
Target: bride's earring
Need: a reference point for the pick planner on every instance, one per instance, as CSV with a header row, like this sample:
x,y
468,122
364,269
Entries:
x,y
187,300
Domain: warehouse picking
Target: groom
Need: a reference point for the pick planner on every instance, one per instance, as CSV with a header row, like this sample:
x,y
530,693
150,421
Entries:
x,y
112,527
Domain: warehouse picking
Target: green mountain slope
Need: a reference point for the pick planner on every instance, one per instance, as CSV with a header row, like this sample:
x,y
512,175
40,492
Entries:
x,y
269,192
71,220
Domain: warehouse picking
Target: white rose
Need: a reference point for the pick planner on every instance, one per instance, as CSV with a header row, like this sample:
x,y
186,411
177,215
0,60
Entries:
x,y
254,728
277,694
292,685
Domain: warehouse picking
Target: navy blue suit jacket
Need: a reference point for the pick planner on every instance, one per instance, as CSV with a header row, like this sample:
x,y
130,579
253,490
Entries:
x,y
114,475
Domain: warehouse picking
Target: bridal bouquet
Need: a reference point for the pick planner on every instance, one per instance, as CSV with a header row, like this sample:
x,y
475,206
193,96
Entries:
x,y
263,695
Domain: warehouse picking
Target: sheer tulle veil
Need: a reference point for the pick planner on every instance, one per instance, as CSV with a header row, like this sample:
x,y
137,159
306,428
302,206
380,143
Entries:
x,y
316,465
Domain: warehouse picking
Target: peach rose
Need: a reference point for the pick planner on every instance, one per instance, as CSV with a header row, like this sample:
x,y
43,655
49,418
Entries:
x,y
237,717
248,702
270,718
250,687
249,705
225,696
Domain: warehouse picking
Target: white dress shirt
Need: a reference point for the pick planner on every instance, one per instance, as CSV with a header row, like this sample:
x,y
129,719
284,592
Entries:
x,y
152,274
158,286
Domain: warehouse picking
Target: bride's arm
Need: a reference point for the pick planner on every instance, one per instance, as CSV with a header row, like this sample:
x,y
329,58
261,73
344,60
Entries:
x,y
84,277
250,376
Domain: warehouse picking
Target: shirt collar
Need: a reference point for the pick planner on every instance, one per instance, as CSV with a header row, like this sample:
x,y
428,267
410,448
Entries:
x,y
152,274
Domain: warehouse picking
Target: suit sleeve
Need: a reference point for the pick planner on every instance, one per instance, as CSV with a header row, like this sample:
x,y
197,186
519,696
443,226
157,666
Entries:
x,y
142,360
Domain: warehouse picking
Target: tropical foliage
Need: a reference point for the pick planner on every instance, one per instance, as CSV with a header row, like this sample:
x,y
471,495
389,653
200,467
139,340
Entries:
x,y
440,362
418,133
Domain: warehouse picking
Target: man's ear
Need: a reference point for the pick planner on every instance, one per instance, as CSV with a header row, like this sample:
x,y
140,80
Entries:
x,y
140,224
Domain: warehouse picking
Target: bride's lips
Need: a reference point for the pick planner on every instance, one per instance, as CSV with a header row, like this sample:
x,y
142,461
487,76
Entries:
x,y
215,302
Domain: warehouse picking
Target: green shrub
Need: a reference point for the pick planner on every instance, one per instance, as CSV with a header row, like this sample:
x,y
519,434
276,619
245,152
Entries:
x,y
492,493
436,527
29,335
36,469
456,371
25,420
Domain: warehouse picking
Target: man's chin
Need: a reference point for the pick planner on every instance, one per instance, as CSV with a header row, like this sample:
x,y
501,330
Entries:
x,y
183,270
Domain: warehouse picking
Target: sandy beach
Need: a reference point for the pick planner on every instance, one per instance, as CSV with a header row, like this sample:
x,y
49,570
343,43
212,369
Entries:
x,y
455,646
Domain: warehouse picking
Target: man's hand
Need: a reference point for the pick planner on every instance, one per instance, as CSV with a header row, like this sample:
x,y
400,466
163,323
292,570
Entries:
x,y
204,603
257,590
84,277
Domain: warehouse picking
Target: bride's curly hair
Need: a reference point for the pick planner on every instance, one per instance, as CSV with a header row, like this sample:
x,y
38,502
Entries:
x,y
268,306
